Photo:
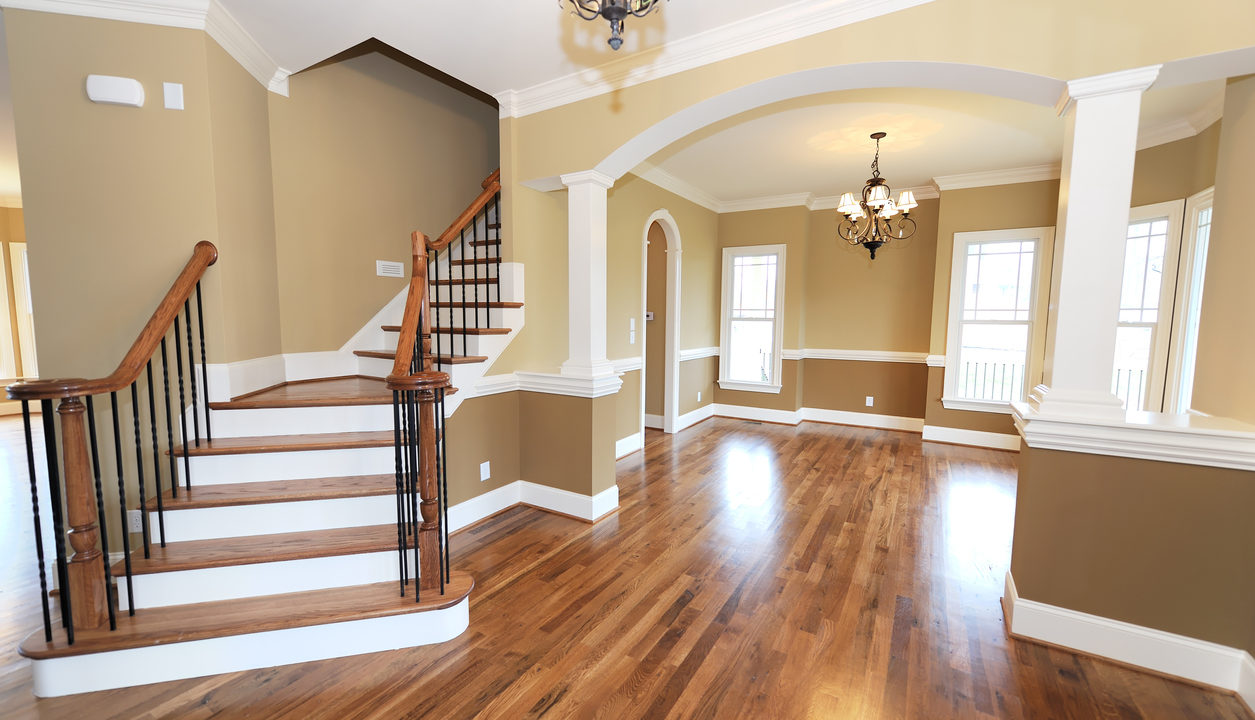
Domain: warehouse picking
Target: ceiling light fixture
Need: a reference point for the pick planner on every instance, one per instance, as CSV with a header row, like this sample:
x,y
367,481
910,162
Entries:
x,y
615,11
871,222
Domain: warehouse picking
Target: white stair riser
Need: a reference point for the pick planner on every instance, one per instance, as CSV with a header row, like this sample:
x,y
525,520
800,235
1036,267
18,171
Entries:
x,y
258,467
301,420
183,587
199,658
269,518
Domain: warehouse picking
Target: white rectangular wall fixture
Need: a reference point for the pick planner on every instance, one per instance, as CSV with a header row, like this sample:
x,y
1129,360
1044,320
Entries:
x,y
173,93
113,90
387,268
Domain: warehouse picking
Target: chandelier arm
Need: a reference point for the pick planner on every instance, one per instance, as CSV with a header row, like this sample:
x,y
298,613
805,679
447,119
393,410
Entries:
x,y
903,233
648,6
586,9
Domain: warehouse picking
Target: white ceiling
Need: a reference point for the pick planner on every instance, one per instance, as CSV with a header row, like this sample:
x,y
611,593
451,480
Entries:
x,y
820,144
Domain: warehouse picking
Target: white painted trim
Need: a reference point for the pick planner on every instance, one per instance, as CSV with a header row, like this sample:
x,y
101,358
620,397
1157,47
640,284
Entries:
x,y
744,412
569,503
976,438
935,361
239,44
1187,438
623,365
228,380
1121,81
749,387
655,175
481,506
213,656
893,356
767,203
860,419
698,353
497,384
1246,681
727,261
653,422
693,417
558,384
671,339
371,335
628,445
987,406
773,27
1009,176
313,365
1163,652
791,354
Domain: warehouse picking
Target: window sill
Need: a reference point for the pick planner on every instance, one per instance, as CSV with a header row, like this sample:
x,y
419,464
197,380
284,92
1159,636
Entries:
x,y
749,386
990,406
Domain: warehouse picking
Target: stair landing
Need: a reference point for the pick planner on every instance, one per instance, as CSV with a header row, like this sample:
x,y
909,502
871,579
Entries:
x,y
322,392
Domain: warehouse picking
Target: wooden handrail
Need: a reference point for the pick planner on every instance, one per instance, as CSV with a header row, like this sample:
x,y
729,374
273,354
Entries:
x,y
416,313
492,186
145,346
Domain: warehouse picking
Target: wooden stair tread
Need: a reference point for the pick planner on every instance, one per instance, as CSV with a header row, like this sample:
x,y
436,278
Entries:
x,y
471,304
443,359
253,549
455,331
275,491
477,261
466,281
225,618
355,390
482,243
289,443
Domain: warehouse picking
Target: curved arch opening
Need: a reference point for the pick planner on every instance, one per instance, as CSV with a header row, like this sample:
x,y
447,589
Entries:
x,y
670,233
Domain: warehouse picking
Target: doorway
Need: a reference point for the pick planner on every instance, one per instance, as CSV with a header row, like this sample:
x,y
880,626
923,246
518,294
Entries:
x,y
660,293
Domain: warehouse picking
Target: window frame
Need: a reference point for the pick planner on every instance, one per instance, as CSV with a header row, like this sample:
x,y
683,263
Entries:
x,y
725,319
1035,356
1190,286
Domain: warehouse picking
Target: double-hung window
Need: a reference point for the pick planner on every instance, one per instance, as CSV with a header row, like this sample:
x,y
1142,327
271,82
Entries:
x,y
996,335
751,331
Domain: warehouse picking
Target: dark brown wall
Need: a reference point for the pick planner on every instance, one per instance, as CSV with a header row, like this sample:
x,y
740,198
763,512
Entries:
x,y
483,428
936,414
787,399
1162,545
567,442
899,388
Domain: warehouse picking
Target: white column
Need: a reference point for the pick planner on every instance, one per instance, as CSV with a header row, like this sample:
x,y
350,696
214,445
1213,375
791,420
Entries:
x,y
1100,144
586,274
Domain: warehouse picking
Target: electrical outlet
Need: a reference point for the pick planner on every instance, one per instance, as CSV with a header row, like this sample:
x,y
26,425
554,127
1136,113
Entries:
x,y
485,471
871,400
135,521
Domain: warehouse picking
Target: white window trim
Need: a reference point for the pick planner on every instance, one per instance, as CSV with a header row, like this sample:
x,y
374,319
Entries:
x,y
777,355
1187,274
1044,236
1174,211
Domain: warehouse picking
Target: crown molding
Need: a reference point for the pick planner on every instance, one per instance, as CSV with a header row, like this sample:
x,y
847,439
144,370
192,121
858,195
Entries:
x,y
588,177
1183,127
769,202
1010,176
1132,80
774,27
657,176
207,15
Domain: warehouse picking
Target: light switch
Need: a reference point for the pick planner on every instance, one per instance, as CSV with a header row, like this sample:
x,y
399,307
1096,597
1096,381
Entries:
x,y
174,95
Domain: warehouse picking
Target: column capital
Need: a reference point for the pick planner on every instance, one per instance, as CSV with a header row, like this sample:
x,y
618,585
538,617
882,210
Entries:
x,y
1133,80
588,177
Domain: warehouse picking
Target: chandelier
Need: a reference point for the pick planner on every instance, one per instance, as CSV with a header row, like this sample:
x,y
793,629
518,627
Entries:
x,y
876,219
615,11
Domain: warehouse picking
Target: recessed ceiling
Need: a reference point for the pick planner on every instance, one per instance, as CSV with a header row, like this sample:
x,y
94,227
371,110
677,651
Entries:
x,y
820,144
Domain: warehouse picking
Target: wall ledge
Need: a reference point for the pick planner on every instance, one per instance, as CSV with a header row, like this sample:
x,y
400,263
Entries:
x,y
1189,439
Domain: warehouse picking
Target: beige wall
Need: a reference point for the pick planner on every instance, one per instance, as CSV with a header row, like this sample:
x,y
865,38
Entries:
x,y
1161,545
789,397
12,230
656,329
627,406
483,429
1224,384
365,150
698,376
937,415
898,388
789,226
1176,170
856,303
567,442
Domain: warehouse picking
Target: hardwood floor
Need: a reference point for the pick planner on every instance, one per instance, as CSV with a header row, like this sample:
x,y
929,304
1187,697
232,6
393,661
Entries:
x,y
756,571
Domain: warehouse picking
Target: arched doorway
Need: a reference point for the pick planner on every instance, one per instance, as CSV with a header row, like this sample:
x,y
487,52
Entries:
x,y
662,228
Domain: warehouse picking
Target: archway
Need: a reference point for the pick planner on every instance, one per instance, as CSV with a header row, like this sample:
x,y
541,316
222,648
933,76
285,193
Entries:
x,y
671,339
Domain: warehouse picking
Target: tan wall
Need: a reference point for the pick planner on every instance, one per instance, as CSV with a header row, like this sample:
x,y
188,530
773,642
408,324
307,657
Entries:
x,y
12,230
1161,545
365,151
656,329
1223,381
483,429
567,442
698,376
1176,170
898,388
114,197
627,406
937,415
856,303
789,398
789,226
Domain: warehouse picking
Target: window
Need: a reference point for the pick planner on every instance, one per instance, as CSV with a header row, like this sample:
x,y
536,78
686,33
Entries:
x,y
751,330
1146,296
1189,302
996,332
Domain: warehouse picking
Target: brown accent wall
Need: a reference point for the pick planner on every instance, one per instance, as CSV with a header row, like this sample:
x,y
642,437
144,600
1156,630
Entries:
x,y
656,329
567,442
1223,382
365,151
855,303
789,398
899,388
483,429
696,376
627,406
1162,545
937,415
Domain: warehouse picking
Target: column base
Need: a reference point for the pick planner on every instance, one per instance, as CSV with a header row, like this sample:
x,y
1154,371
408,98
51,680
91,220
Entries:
x,y
1053,402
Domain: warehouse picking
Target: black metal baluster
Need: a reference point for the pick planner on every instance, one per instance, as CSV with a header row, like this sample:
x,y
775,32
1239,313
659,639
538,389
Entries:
x,y
178,363
191,362
152,423
204,366
100,512
465,295
126,526
475,261
165,383
496,204
139,470
396,433
39,534
58,527
415,515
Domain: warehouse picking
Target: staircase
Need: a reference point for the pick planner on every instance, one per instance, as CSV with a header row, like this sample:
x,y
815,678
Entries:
x,y
308,521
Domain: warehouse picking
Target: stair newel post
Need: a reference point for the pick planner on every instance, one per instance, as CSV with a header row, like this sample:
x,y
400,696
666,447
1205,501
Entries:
x,y
430,555
85,573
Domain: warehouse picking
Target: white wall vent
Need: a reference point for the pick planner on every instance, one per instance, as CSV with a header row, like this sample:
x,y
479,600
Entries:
x,y
387,268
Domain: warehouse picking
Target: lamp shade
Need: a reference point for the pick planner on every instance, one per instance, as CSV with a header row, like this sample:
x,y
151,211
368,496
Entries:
x,y
888,210
878,195
906,201
847,205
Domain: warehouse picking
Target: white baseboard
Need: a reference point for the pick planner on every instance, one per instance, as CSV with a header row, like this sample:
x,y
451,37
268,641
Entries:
x,y
653,421
228,380
1185,657
628,445
978,438
311,365
528,493
693,417
744,412
845,417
